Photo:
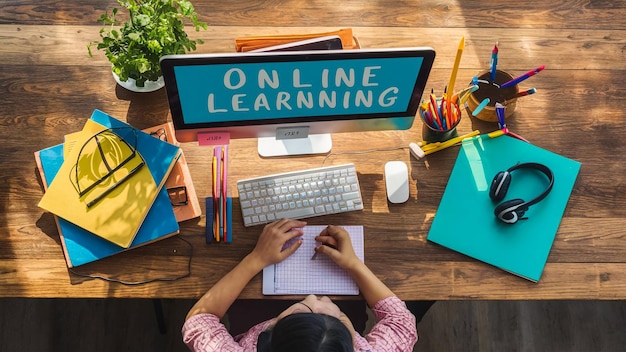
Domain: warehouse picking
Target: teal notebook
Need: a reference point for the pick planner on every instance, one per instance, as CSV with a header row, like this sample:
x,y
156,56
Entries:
x,y
81,246
465,220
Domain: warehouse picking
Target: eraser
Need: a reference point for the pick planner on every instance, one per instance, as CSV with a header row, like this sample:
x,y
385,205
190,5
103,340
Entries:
x,y
416,151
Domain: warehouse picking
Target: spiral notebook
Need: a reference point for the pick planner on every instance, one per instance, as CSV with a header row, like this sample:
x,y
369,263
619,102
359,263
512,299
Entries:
x,y
301,275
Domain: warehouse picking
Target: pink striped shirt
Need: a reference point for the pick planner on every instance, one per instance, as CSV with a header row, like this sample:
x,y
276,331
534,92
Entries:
x,y
395,331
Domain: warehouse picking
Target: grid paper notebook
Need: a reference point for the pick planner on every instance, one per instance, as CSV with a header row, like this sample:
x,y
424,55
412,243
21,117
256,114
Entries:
x,y
298,274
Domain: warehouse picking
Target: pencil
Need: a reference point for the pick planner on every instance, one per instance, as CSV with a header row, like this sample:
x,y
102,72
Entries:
x,y
215,210
455,68
525,76
223,195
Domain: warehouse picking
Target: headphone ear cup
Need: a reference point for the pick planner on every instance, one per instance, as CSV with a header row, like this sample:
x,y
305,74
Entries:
x,y
510,211
500,185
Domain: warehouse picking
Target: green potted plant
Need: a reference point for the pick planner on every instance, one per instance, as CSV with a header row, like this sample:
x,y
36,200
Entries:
x,y
154,28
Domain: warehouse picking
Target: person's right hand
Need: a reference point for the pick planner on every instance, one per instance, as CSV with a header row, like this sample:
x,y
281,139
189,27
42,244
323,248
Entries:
x,y
269,247
337,245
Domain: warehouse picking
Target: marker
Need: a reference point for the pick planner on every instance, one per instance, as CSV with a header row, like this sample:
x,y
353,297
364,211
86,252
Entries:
x,y
494,63
500,115
522,93
481,106
495,134
215,205
525,76
223,194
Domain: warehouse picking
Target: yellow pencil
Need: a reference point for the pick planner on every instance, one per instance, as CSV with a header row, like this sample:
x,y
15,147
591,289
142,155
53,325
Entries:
x,y
455,68
443,145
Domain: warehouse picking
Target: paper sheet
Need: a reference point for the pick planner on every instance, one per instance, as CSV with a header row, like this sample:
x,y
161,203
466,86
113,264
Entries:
x,y
298,274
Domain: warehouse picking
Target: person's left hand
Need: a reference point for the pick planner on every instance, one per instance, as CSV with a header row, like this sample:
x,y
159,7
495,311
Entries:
x,y
269,246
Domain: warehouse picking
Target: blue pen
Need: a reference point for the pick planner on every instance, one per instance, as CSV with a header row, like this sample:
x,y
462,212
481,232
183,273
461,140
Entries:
x,y
500,115
494,63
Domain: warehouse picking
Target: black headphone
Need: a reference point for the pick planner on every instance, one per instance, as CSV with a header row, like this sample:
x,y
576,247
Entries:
x,y
511,211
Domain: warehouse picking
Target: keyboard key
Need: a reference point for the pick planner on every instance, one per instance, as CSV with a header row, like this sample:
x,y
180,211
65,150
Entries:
x,y
300,194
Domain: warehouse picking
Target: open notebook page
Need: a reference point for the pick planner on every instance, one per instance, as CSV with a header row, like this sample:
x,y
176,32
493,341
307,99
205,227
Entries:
x,y
298,274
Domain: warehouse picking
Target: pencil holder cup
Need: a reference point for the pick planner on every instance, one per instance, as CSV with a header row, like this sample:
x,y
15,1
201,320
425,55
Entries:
x,y
492,90
437,127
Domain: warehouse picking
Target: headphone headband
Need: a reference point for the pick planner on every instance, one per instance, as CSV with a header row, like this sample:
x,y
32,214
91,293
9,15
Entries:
x,y
539,167
512,210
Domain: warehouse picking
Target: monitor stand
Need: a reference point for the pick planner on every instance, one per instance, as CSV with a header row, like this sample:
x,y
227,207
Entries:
x,y
313,144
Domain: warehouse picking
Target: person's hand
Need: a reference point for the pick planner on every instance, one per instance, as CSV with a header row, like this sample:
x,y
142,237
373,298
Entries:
x,y
337,245
269,246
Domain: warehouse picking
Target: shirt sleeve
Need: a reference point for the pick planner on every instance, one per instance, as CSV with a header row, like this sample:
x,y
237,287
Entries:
x,y
396,329
205,332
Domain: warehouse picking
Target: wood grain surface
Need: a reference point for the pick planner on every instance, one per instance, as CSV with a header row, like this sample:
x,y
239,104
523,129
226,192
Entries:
x,y
49,86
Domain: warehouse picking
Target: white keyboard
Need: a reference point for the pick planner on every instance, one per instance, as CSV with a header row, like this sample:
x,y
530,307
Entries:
x,y
300,194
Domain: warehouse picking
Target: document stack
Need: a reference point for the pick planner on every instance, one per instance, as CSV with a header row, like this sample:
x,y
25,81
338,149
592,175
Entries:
x,y
112,187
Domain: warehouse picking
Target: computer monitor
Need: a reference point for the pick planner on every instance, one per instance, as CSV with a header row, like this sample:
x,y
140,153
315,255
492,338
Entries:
x,y
293,101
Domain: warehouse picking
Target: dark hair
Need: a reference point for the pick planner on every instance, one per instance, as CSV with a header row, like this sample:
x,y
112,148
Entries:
x,y
306,332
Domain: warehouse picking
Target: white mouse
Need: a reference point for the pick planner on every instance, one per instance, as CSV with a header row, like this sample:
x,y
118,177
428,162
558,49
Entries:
x,y
397,181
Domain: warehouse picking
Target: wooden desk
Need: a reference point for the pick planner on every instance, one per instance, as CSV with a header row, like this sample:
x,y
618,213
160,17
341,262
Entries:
x,y
49,86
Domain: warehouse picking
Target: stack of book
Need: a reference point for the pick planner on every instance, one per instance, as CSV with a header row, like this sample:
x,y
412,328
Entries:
x,y
112,187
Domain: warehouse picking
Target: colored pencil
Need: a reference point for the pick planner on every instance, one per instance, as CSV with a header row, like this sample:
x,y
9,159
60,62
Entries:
x,y
523,77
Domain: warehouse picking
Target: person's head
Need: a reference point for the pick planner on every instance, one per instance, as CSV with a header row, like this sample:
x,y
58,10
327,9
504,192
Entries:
x,y
315,324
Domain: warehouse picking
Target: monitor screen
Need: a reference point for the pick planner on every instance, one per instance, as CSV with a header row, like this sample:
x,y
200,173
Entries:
x,y
302,92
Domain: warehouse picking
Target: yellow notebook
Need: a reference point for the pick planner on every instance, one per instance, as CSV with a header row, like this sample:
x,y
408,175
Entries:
x,y
109,179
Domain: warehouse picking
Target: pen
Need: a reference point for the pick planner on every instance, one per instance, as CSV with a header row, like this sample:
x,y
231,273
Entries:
x,y
445,111
494,63
455,69
314,255
218,195
466,95
316,252
500,115
467,90
522,93
221,192
481,106
224,193
214,215
434,109
525,76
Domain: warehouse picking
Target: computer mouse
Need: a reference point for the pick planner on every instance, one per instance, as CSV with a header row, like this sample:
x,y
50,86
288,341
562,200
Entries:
x,y
397,181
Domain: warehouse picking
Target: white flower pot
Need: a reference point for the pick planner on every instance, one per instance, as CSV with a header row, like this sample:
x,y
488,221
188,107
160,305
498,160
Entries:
x,y
149,86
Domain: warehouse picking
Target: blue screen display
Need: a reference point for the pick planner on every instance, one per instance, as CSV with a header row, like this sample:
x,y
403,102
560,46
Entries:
x,y
275,90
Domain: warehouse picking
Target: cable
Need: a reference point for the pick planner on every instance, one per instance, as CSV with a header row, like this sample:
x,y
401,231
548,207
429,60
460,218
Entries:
x,y
134,283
